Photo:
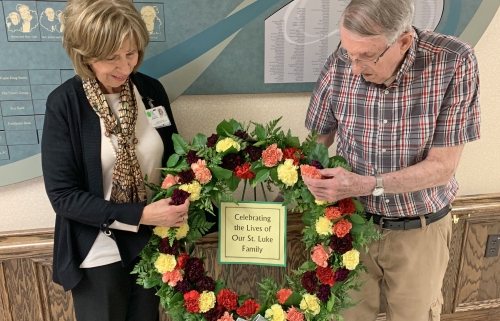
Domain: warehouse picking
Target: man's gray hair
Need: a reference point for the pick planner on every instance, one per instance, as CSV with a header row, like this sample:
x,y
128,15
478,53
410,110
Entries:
x,y
390,18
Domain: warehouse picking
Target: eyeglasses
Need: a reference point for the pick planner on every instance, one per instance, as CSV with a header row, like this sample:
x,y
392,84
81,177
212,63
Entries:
x,y
342,54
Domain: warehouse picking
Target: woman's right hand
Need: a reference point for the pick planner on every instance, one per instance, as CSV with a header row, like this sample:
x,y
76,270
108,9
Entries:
x,y
161,213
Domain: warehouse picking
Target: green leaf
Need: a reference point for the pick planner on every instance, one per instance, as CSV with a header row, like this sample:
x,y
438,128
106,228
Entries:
x,y
259,143
230,150
274,175
329,304
180,145
151,282
307,218
307,196
356,219
219,285
339,160
221,173
225,128
292,142
308,266
359,207
320,153
172,160
200,140
236,126
294,299
261,132
209,186
233,182
262,175
176,298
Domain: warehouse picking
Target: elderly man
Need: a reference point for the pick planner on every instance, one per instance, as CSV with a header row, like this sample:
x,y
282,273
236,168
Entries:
x,y
403,102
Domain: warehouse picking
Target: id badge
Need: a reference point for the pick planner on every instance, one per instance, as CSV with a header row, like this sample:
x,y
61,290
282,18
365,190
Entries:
x,y
157,117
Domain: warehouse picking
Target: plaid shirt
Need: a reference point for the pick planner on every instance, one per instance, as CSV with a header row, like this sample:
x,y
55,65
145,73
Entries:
x,y
433,102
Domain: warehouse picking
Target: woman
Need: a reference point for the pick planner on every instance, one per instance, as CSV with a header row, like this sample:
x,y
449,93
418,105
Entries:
x,y
97,148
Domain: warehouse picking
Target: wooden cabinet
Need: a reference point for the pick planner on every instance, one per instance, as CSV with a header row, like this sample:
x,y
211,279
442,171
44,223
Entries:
x,y
471,287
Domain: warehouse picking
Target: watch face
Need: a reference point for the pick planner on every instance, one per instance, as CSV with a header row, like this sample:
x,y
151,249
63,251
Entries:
x,y
378,191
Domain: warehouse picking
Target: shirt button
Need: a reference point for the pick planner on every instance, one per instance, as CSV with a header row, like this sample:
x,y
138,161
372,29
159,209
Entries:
x,y
385,121
384,150
387,201
386,91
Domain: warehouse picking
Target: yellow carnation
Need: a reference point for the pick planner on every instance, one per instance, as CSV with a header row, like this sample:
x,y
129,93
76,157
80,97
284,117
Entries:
x,y
225,144
161,231
324,226
182,231
350,259
310,303
206,301
287,173
275,313
194,189
165,263
318,202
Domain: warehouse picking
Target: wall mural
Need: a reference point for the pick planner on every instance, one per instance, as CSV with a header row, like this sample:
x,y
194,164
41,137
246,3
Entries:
x,y
197,47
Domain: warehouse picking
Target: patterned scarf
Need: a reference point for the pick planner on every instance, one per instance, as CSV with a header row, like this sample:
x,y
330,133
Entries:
x,y
128,185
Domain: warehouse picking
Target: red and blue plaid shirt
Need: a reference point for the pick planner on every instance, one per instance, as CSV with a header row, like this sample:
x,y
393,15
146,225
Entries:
x,y
433,102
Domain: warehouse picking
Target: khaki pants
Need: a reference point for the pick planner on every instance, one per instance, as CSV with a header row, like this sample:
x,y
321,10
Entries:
x,y
410,266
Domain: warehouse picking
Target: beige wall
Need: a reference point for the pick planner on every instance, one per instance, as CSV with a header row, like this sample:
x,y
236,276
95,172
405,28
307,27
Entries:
x,y
24,205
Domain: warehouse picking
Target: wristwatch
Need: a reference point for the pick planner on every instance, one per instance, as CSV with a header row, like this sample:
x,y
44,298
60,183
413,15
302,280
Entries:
x,y
379,187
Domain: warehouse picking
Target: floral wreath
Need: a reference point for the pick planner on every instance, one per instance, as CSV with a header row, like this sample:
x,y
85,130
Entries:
x,y
209,170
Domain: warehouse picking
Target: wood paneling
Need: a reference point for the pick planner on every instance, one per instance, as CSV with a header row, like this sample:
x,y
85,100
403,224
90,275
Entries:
x,y
471,286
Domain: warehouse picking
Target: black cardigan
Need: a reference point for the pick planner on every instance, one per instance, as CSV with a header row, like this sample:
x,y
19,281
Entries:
x,y
71,164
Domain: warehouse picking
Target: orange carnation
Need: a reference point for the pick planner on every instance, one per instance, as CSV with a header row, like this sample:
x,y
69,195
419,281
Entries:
x,y
169,181
283,295
342,227
332,212
309,171
172,277
320,256
201,172
272,155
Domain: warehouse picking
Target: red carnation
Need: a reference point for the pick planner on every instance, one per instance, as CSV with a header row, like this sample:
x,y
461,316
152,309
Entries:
x,y
183,286
324,293
212,140
310,282
191,157
346,206
293,153
341,244
191,301
326,275
215,313
248,308
231,161
254,153
194,269
228,299
244,171
181,261
165,247
205,283
179,196
341,274
186,177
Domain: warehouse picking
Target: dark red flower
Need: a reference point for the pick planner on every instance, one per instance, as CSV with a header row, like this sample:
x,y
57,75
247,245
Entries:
x,y
248,308
341,274
325,275
194,269
228,299
241,134
191,157
165,247
346,206
341,244
205,283
186,177
244,171
310,281
316,164
324,293
254,153
181,261
179,197
215,313
212,140
231,161
183,286
293,153
191,301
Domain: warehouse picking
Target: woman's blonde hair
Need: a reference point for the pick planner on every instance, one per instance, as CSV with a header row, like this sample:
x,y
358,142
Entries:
x,y
95,29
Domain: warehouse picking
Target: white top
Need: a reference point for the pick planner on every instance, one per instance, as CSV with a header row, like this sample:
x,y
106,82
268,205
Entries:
x,y
149,151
